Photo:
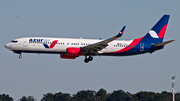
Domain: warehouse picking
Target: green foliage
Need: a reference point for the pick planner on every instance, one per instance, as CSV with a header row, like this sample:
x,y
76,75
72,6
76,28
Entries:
x,y
177,95
101,95
62,97
151,96
48,97
120,96
4,97
56,97
87,95
29,98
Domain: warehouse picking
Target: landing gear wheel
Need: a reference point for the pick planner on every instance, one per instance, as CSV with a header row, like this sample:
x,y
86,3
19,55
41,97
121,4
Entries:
x,y
90,58
20,56
86,60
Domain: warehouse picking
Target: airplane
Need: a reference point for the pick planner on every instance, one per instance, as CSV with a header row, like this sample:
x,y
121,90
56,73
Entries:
x,y
71,48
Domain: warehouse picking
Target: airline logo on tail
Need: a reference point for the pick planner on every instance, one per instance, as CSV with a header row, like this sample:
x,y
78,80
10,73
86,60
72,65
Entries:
x,y
51,45
161,33
156,34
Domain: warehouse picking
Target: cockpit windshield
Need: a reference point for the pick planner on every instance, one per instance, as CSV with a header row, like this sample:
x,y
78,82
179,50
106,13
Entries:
x,y
14,41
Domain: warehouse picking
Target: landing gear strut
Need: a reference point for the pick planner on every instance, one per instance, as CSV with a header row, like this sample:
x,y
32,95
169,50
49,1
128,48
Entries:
x,y
86,60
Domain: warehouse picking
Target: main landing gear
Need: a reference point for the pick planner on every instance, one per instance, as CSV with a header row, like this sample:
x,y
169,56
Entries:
x,y
86,60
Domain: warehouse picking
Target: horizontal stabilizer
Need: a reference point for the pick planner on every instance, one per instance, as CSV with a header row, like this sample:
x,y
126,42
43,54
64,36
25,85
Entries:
x,y
163,43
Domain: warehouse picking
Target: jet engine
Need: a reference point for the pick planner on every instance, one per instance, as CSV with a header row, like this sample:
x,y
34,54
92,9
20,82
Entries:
x,y
73,51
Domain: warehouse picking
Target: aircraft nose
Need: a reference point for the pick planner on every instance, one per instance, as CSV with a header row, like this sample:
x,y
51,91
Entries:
x,y
5,45
8,46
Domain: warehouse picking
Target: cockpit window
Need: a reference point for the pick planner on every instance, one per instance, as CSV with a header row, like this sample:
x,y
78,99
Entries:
x,y
14,41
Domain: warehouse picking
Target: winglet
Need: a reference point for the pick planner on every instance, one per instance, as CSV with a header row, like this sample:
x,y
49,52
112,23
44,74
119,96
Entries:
x,y
121,32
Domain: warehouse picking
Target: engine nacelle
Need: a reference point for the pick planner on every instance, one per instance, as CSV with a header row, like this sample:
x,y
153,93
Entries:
x,y
73,51
64,56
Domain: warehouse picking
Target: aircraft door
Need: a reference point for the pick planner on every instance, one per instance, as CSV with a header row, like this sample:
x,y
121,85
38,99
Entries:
x,y
111,45
141,46
25,43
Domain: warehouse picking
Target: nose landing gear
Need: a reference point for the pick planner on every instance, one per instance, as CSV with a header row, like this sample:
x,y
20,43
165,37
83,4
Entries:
x,y
20,56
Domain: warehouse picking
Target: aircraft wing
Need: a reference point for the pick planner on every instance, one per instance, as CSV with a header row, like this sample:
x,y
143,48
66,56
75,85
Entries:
x,y
94,48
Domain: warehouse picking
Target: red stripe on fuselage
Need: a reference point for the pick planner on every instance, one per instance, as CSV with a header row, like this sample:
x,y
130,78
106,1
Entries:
x,y
162,32
134,43
53,43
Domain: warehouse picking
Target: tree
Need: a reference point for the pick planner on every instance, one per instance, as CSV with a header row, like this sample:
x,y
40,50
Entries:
x,y
87,95
165,96
29,98
177,96
48,97
56,97
62,97
4,97
120,96
101,95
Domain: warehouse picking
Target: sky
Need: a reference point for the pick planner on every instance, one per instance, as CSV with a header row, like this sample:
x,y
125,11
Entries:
x,y
35,75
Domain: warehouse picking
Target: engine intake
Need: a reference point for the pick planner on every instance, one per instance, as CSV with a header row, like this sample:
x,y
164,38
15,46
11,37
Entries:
x,y
73,51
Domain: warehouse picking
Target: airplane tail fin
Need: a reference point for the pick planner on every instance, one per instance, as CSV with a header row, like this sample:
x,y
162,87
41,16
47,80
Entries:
x,y
156,34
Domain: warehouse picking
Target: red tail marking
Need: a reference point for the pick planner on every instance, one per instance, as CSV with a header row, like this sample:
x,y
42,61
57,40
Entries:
x,y
162,32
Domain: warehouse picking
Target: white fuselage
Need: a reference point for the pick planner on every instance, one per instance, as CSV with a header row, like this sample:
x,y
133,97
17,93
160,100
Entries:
x,y
24,45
